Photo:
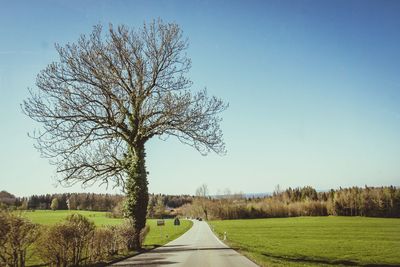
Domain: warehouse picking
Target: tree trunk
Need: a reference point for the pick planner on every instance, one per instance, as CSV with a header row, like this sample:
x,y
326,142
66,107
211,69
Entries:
x,y
137,196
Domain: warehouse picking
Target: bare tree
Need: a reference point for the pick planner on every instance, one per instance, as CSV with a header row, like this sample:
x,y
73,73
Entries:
x,y
202,198
202,191
108,95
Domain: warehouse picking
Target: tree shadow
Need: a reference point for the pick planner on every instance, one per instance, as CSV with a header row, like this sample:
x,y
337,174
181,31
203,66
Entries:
x,y
328,262
146,262
183,248
156,257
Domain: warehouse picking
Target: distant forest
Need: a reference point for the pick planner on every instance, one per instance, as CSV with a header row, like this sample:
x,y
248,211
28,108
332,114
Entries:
x,y
87,201
291,202
304,201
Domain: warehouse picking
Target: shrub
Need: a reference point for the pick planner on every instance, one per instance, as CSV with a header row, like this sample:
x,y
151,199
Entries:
x,y
16,235
143,234
76,241
66,243
104,244
55,245
4,228
126,235
117,211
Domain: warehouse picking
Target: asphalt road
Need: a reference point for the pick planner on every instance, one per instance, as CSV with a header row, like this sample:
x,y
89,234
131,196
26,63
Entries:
x,y
197,247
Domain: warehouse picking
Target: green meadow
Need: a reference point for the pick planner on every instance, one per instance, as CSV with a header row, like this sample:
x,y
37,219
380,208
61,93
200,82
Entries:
x,y
158,235
48,217
315,241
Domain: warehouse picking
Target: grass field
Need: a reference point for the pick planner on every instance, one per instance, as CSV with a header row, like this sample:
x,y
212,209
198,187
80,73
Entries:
x,y
158,235
315,241
48,217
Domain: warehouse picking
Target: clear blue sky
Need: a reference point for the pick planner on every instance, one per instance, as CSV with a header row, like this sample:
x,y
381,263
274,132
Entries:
x,y
313,87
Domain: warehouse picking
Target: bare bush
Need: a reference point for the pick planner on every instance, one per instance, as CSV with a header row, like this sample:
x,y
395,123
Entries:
x,y
104,244
4,229
55,244
273,208
83,233
66,243
126,235
143,234
77,241
16,235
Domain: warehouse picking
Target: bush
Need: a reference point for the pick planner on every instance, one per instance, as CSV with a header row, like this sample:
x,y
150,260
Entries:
x,y
66,243
55,245
126,235
104,244
117,211
143,234
16,235
4,228
77,241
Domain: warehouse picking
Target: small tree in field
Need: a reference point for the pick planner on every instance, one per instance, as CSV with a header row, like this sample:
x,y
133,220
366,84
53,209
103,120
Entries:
x,y
107,95
202,199
54,204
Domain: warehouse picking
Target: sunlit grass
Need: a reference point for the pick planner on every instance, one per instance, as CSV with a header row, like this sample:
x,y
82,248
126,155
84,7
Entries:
x,y
311,241
48,217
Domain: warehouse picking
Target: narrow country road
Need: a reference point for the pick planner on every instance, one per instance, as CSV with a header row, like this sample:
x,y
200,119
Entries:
x,y
197,247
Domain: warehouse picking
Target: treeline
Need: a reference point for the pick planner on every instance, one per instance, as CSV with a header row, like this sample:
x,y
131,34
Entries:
x,y
71,201
74,242
90,201
166,206
368,201
174,201
305,201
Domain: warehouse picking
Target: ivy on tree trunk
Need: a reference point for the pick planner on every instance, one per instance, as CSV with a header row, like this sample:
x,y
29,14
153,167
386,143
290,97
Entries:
x,y
137,196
